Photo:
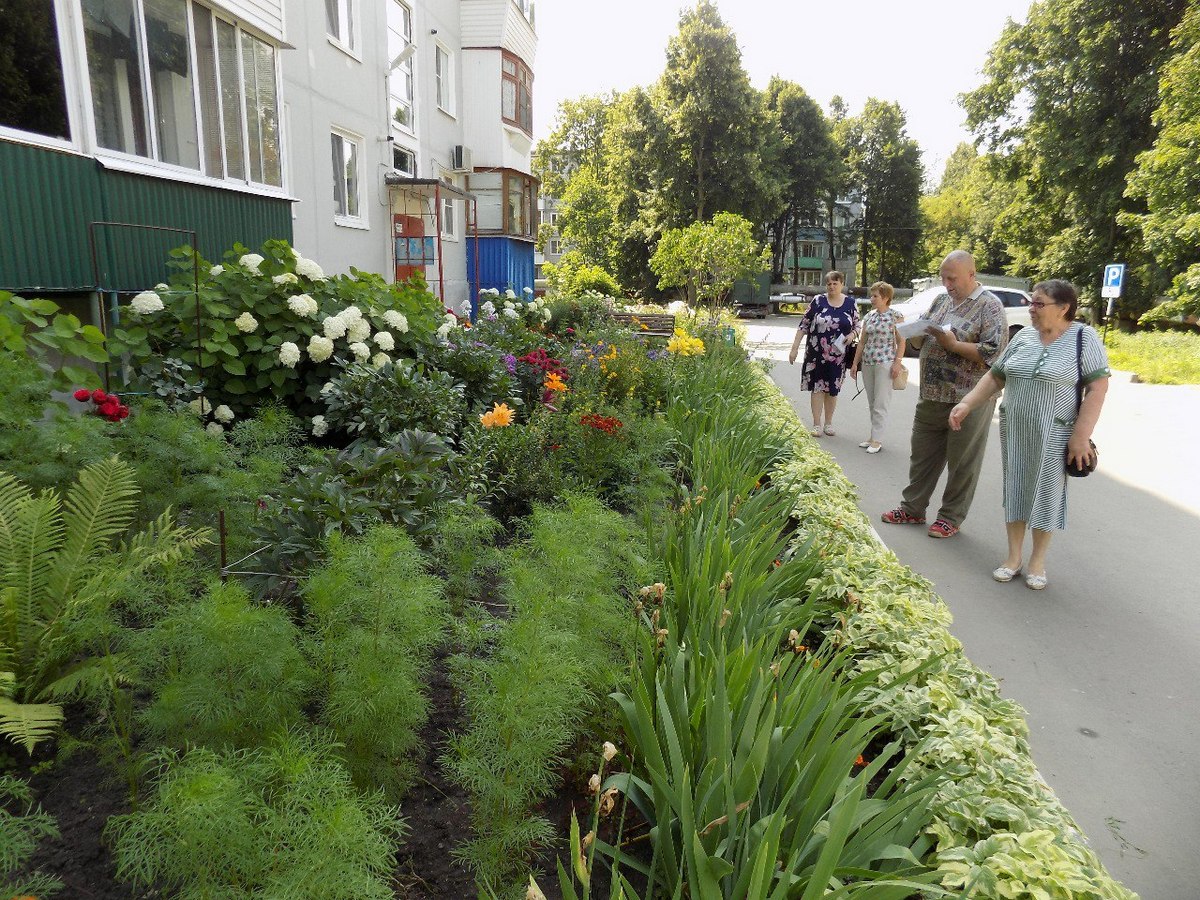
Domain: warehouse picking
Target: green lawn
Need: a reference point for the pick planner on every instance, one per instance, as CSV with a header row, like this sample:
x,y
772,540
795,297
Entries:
x,y
1158,357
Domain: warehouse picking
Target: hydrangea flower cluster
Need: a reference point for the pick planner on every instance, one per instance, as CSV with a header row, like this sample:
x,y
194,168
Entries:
x,y
246,323
146,302
532,309
396,320
303,306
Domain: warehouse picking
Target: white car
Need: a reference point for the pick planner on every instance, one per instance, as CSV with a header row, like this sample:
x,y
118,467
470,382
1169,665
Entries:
x,y
1016,307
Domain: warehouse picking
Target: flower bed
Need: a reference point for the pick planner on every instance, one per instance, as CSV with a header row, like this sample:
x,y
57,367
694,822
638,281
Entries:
x,y
1001,831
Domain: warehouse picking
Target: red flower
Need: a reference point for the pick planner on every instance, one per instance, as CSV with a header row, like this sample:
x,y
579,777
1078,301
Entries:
x,y
82,394
108,408
123,412
607,424
98,396
114,399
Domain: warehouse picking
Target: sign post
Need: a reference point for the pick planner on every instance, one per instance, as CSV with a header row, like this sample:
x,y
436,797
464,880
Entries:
x,y
1114,282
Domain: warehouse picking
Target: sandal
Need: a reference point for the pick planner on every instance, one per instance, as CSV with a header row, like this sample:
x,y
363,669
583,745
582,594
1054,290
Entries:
x,y
942,529
865,444
1004,574
1036,582
815,431
829,431
898,516
875,449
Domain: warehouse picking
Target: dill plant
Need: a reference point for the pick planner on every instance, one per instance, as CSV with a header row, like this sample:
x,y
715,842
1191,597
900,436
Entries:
x,y
375,616
20,832
561,651
224,672
283,821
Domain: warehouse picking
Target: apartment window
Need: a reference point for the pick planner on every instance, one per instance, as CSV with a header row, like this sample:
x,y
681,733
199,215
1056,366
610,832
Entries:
x,y
404,161
518,193
340,24
172,81
812,250
34,98
347,202
449,218
516,96
443,74
554,247
400,80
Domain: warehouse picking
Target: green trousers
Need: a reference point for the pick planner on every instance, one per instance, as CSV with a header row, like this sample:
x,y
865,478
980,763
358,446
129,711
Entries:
x,y
935,447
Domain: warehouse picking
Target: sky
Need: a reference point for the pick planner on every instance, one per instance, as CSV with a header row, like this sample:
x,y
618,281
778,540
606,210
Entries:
x,y
921,53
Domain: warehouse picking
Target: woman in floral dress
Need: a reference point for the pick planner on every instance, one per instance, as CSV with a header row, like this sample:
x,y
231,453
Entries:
x,y
829,324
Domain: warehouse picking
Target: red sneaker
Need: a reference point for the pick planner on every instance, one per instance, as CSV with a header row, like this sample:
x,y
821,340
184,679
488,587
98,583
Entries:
x,y
942,529
898,516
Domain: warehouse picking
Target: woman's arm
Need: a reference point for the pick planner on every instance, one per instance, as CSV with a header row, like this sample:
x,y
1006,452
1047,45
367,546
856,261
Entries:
x,y
801,331
988,385
858,350
898,362
1078,447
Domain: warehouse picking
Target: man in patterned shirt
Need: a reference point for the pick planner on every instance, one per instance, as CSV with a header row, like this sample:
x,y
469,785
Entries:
x,y
966,332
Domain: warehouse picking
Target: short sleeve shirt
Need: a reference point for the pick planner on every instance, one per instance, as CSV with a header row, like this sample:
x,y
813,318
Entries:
x,y
947,377
879,337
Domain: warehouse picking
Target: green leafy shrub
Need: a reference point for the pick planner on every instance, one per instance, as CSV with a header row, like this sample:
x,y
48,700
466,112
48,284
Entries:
x,y
40,442
588,311
375,618
404,481
26,327
273,325
224,672
58,569
372,404
283,821
20,832
573,275
478,367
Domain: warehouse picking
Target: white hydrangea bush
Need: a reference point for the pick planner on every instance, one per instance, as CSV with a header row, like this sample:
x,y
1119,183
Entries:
x,y
274,325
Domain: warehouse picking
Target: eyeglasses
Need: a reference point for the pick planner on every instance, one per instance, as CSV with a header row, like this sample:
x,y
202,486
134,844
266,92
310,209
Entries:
x,y
1038,304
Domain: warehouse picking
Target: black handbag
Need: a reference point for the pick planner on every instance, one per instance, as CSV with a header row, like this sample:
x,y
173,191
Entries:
x,y
1076,469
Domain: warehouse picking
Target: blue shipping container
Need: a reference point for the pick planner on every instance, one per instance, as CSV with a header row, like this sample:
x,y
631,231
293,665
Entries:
x,y
504,264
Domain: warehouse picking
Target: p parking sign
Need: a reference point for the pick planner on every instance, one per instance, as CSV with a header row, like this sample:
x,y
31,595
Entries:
x,y
1114,280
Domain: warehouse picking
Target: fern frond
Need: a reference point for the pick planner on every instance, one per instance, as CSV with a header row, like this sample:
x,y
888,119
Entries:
x,y
92,678
163,541
29,723
13,498
37,537
97,508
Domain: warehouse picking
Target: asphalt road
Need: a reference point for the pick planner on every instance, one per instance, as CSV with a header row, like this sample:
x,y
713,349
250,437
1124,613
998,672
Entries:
x,y
1106,660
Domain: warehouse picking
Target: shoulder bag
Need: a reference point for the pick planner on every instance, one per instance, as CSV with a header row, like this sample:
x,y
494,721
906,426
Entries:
x,y
1078,470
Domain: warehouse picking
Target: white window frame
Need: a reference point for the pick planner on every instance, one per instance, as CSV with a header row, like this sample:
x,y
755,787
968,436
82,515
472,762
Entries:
x,y
348,39
443,78
449,219
346,220
81,116
397,74
412,173
69,27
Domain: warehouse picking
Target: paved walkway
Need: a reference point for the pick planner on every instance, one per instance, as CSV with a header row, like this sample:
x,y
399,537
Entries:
x,y
1107,659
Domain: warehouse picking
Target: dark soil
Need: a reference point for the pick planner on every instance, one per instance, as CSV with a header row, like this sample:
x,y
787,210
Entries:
x,y
81,794
437,811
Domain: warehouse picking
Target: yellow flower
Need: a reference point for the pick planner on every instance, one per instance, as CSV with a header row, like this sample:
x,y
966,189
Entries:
x,y
554,382
500,416
684,345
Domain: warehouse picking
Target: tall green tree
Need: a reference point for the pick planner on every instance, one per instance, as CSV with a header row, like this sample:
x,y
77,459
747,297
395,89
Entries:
x,y
964,211
1167,176
883,169
717,158
808,162
577,140
1067,102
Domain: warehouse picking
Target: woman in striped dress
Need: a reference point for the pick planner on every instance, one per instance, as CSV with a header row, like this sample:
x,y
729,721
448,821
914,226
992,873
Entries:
x,y
1039,423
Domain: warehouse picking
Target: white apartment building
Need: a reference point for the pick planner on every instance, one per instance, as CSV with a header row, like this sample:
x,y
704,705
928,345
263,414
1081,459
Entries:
x,y
409,121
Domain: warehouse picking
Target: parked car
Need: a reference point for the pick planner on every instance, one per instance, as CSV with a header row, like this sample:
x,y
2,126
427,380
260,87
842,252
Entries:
x,y
1015,300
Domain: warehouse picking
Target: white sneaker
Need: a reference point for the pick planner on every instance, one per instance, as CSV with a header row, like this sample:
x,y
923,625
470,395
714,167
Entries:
x,y
875,449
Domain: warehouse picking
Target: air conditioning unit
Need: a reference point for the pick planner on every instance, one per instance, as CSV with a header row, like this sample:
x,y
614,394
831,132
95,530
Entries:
x,y
460,158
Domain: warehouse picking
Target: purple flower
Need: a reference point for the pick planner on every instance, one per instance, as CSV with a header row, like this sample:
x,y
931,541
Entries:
x,y
510,363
